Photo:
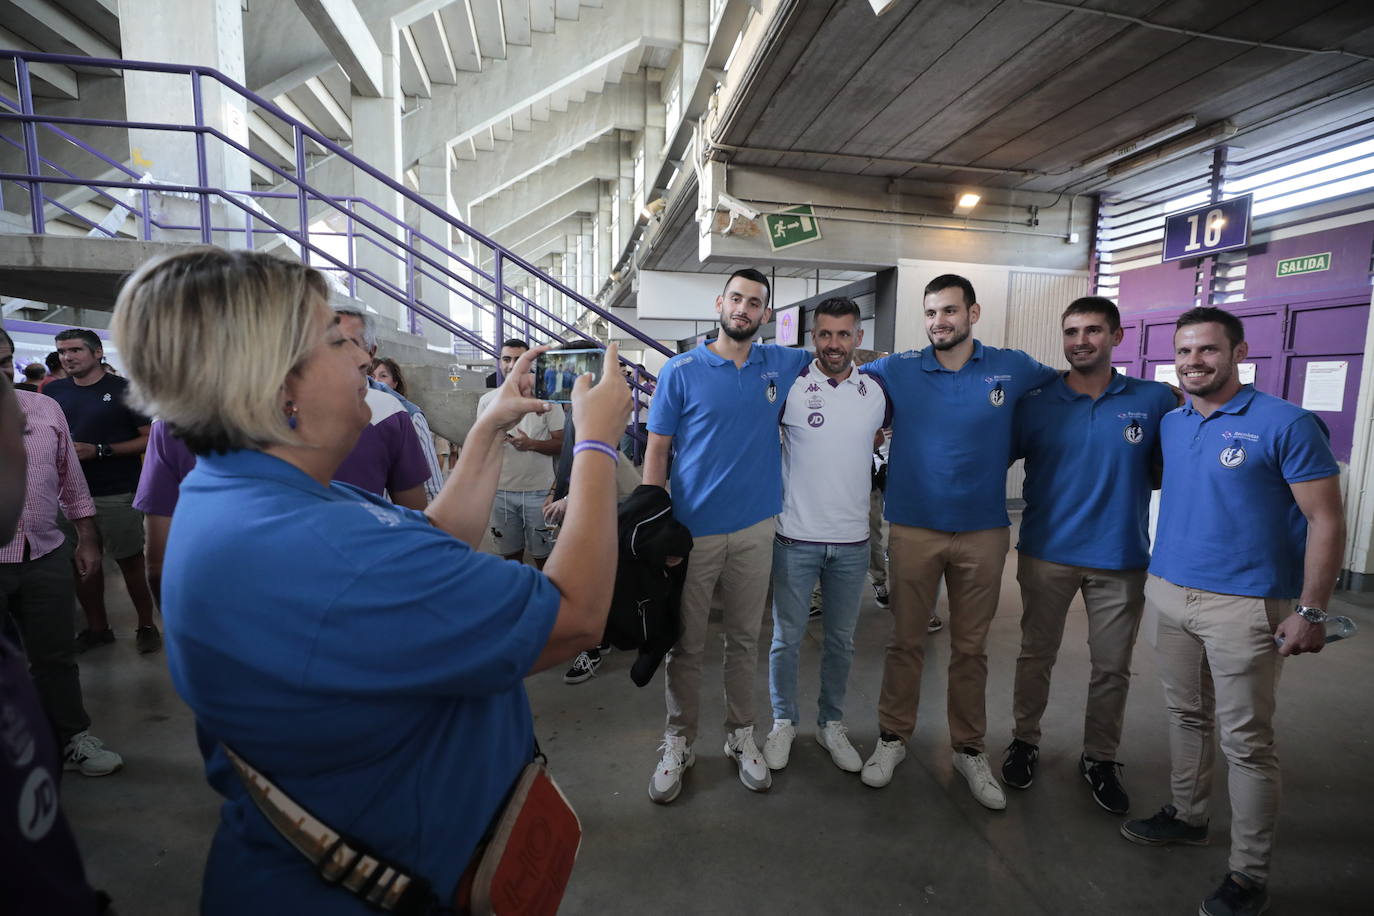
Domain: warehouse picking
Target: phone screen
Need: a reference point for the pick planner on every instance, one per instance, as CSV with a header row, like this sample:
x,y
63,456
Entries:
x,y
556,370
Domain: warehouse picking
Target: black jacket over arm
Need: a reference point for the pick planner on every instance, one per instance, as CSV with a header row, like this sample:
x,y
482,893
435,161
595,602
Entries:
x,y
645,612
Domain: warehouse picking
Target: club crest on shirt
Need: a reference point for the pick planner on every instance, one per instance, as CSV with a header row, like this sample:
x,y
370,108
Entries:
x,y
772,391
1233,456
997,396
863,389
1134,433
815,420
815,403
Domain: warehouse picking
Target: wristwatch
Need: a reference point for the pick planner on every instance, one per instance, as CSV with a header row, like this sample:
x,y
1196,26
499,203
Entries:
x,y
1311,614
103,451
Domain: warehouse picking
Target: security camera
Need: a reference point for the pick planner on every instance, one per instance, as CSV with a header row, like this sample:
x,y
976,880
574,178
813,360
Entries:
x,y
736,207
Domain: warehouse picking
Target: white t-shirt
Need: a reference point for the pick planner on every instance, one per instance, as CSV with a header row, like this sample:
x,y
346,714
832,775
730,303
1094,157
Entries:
x,y
527,471
827,456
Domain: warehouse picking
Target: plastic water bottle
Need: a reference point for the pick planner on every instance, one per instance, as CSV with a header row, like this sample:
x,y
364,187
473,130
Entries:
x,y
1337,628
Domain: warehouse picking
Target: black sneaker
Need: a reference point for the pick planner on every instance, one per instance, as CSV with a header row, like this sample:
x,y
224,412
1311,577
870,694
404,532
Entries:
x,y
89,639
1106,783
1235,897
881,596
147,639
583,667
1018,770
1163,829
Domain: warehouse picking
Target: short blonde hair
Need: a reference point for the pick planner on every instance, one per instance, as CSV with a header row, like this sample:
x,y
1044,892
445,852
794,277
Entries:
x,y
209,336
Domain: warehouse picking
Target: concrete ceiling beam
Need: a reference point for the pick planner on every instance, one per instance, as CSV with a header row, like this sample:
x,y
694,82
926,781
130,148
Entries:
x,y
580,201
596,162
541,15
414,74
491,28
323,109
461,32
344,32
54,29
566,9
516,14
49,79
432,40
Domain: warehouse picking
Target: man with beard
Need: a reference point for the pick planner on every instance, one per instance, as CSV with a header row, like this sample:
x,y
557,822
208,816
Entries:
x,y
953,404
1249,544
1091,443
831,416
715,412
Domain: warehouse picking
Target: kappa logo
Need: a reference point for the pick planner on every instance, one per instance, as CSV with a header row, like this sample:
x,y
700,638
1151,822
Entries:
x,y
813,387
106,397
815,420
1233,456
1134,433
997,396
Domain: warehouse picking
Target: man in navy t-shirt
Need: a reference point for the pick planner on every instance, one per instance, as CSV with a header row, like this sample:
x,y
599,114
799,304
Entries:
x,y
715,411
1249,544
1091,443
110,438
953,404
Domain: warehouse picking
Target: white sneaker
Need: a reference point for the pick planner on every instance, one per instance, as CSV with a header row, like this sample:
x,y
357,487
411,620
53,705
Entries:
x,y
777,748
978,773
87,753
877,772
753,772
667,780
834,737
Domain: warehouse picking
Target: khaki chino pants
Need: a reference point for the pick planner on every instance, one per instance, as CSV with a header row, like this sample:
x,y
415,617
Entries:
x,y
1220,669
741,562
971,563
1114,600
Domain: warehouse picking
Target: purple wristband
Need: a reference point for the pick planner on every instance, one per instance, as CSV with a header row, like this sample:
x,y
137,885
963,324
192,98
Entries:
x,y
595,445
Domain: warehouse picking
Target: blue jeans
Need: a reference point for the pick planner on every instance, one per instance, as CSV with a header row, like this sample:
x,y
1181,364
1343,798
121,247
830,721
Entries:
x,y
841,569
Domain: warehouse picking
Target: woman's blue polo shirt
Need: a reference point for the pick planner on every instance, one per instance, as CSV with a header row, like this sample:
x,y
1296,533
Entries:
x,y
368,663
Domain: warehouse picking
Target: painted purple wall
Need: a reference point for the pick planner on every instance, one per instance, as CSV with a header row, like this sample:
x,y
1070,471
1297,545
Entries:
x,y
1289,321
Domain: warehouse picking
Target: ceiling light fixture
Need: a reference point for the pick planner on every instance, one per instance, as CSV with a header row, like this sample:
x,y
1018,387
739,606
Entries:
x,y
965,203
1192,142
1149,138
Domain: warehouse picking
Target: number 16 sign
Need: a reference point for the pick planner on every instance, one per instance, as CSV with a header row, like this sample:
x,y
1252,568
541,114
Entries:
x,y
1207,229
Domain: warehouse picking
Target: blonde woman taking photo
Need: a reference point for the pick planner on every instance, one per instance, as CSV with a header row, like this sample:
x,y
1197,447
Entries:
x,y
364,657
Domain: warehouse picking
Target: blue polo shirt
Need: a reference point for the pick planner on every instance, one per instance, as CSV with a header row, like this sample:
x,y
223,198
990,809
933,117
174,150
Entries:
x,y
951,435
1089,470
368,663
727,460
1228,522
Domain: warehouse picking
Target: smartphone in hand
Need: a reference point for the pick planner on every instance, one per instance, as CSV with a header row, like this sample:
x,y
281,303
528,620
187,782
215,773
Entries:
x,y
556,370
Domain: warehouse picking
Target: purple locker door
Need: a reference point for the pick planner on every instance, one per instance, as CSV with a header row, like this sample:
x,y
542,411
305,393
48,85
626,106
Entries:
x,y
1126,356
1329,334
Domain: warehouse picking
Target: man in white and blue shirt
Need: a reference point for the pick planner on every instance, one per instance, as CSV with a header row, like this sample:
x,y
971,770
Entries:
x,y
829,422
1249,543
953,404
1090,439
715,414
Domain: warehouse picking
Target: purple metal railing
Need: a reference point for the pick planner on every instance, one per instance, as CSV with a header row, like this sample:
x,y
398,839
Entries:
x,y
487,291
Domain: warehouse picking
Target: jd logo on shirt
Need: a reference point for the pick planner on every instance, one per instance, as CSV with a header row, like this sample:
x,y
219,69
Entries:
x,y
997,397
1134,433
815,420
1233,456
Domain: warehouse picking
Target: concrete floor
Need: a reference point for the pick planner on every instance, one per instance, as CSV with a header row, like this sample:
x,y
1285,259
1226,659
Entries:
x,y
820,841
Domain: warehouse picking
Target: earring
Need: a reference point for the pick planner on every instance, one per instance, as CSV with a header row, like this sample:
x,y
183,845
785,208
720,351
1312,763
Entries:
x,y
291,411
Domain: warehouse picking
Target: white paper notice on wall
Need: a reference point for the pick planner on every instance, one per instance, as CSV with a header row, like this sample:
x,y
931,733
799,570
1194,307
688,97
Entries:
x,y
1167,374
1247,373
1324,387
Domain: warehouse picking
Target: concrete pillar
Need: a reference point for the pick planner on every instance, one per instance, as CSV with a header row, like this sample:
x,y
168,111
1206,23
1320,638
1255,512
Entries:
x,y
377,141
203,32
434,185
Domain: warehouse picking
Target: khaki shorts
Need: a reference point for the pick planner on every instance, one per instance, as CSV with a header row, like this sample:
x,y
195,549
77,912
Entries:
x,y
119,523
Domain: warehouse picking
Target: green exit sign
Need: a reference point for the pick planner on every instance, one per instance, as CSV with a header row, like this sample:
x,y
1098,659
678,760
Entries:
x,y
1307,264
792,227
